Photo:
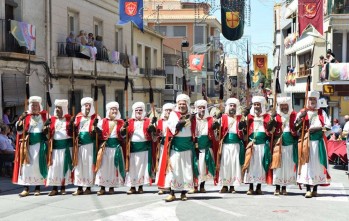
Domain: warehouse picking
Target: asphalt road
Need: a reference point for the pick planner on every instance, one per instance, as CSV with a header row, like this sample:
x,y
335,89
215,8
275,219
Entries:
x,y
332,204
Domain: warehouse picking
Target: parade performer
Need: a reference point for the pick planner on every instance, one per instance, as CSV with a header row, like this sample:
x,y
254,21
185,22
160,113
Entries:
x,y
84,158
59,172
161,131
33,163
140,130
314,172
110,160
285,150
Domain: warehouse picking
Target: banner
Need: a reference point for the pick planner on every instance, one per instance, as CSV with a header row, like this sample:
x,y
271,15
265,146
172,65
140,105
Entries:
x,y
131,11
24,34
232,17
260,67
338,71
196,62
310,12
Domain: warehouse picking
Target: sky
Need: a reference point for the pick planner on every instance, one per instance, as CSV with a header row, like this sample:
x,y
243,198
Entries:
x,y
259,33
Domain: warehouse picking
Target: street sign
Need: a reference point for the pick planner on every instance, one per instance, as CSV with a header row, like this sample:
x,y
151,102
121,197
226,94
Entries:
x,y
328,89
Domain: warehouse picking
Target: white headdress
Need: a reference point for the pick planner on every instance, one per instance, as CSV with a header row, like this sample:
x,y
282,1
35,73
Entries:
x,y
201,103
316,95
166,107
138,105
34,99
262,101
232,101
183,97
87,100
284,100
62,103
109,106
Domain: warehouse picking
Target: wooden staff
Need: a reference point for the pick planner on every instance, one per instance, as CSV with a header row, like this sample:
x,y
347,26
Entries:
x,y
221,96
50,139
75,139
96,103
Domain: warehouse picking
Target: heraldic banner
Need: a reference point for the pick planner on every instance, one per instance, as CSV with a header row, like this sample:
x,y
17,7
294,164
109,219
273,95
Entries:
x,y
131,10
260,67
196,62
310,12
232,14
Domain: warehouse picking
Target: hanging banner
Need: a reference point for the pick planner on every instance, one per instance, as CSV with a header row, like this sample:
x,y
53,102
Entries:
x,y
260,67
196,62
232,17
310,12
24,33
131,11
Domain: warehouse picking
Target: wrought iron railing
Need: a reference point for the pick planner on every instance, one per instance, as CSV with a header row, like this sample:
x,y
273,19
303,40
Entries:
x,y
155,72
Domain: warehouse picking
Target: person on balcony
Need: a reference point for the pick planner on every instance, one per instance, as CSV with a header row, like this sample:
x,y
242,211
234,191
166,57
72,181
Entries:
x,y
70,45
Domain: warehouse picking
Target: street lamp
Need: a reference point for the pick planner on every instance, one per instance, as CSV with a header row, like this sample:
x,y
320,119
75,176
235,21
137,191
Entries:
x,y
184,44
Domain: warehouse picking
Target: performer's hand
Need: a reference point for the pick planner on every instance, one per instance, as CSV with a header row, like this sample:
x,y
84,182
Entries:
x,y
125,124
154,120
246,111
151,129
303,114
215,125
242,125
219,115
72,120
273,114
95,122
192,116
23,116
47,123
180,125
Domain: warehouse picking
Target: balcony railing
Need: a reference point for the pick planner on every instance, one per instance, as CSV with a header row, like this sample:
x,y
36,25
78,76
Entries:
x,y
76,50
7,42
338,7
153,72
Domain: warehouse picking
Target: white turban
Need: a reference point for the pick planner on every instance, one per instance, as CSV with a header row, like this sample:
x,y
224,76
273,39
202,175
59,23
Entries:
x,y
166,107
138,105
87,100
62,103
201,103
232,101
315,94
261,100
284,100
183,97
34,99
111,105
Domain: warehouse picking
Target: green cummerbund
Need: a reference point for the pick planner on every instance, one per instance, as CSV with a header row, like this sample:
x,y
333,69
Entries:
x,y
258,137
204,142
35,138
62,144
112,143
140,146
85,138
180,144
231,138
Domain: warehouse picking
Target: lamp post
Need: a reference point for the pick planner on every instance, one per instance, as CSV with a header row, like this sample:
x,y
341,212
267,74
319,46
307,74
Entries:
x,y
184,44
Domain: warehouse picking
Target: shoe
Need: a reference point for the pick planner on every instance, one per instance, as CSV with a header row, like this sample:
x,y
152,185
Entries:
x,y
224,189
37,193
202,190
232,190
193,191
53,193
284,192
131,191
314,194
111,190
170,198
161,192
87,191
259,192
184,197
249,192
140,190
308,194
77,192
24,193
277,193
101,192
63,192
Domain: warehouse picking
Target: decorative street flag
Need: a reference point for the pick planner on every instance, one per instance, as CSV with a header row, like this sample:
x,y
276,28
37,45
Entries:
x,y
24,34
232,14
196,62
131,10
310,12
260,67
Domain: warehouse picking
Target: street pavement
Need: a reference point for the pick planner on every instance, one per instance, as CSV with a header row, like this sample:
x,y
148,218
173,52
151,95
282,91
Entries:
x,y
332,204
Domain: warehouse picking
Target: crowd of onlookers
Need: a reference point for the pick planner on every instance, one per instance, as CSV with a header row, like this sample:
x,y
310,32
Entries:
x,y
323,63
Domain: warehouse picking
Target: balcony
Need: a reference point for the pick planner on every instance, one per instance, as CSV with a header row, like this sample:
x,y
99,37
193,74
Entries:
x,y
153,72
338,7
87,52
8,43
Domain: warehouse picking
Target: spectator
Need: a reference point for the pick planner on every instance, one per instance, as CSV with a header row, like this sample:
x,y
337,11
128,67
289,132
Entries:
x,y
6,116
345,134
7,152
99,42
330,58
70,43
336,130
81,38
322,64
90,39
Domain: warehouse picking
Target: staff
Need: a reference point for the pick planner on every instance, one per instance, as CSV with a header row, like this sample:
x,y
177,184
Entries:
x,y
49,104
96,102
221,95
75,141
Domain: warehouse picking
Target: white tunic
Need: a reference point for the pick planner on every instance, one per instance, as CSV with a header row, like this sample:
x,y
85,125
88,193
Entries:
x,y
138,170
108,175
55,175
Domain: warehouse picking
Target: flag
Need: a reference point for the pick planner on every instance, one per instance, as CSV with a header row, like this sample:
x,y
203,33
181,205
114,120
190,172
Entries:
x,y
131,10
24,34
232,14
310,12
196,62
260,67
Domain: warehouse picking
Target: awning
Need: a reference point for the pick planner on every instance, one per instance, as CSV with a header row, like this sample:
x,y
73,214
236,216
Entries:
x,y
291,8
298,88
300,45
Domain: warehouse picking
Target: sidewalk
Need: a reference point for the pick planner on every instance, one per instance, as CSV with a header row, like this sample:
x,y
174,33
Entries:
x,y
6,185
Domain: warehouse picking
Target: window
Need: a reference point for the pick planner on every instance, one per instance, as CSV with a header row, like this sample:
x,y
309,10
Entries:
x,y
199,34
73,22
304,60
98,27
119,97
172,31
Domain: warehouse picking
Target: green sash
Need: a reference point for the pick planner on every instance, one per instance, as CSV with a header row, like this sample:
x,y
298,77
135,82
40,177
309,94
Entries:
x,y
181,144
118,161
232,138
287,140
318,136
64,144
35,138
84,139
140,147
205,143
261,138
